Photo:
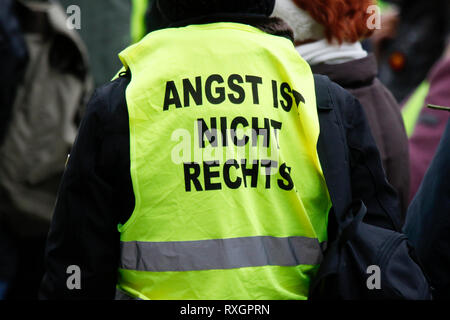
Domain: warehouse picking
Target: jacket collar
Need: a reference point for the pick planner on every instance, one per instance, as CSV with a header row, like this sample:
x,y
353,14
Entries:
x,y
271,25
352,74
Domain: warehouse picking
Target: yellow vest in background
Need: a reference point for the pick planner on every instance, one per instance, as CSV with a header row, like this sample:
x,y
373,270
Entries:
x,y
231,201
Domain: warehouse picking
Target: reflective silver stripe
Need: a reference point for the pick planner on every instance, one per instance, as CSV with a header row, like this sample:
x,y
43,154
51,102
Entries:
x,y
120,295
220,254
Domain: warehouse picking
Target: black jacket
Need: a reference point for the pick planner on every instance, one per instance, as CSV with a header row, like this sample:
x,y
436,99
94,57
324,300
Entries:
x,y
428,220
96,191
420,37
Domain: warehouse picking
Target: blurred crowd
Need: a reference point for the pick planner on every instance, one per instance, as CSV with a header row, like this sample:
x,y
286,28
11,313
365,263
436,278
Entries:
x,y
50,71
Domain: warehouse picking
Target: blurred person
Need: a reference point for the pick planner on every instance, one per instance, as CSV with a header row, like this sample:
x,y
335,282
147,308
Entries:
x,y
428,221
138,19
46,110
410,44
140,225
390,18
105,29
14,53
427,125
327,35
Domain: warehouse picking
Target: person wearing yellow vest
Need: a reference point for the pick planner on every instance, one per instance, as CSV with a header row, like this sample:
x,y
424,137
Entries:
x,y
209,168
249,205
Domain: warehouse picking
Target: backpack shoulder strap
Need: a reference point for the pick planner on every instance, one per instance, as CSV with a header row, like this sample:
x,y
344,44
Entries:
x,y
333,149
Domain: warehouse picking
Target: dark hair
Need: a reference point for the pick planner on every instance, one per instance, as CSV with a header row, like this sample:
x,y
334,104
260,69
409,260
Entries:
x,y
176,10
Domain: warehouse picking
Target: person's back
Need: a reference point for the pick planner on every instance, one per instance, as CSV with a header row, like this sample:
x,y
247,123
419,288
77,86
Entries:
x,y
327,36
383,114
415,45
251,224
224,167
44,112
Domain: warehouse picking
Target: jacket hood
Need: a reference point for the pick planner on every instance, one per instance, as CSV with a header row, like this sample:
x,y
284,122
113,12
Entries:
x,y
352,74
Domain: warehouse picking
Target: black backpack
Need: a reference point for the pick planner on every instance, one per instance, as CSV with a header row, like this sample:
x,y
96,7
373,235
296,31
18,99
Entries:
x,y
359,255
362,261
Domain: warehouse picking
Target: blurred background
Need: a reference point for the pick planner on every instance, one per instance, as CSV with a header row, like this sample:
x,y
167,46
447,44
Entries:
x,y
53,55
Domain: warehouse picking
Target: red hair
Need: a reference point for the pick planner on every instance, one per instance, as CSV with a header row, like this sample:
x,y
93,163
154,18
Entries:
x,y
344,20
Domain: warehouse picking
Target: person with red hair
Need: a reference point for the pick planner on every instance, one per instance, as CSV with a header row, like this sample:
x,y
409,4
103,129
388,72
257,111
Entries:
x,y
327,35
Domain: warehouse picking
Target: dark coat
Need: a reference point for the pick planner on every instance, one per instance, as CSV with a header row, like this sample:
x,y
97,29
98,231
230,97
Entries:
x,y
96,192
383,113
428,222
45,114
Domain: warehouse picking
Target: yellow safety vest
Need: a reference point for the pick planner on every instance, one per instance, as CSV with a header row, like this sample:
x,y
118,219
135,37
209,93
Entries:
x,y
231,201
